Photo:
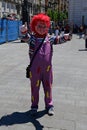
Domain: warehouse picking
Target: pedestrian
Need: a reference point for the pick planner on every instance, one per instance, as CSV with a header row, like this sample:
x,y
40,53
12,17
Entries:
x,y
62,33
57,32
85,35
81,30
41,68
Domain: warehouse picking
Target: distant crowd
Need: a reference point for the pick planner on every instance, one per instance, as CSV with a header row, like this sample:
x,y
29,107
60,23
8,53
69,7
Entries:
x,y
61,30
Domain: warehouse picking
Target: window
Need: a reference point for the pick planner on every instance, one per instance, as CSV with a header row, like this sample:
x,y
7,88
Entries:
x,y
8,5
4,5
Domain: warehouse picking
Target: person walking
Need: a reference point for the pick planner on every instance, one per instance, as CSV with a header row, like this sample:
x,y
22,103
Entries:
x,y
85,37
57,32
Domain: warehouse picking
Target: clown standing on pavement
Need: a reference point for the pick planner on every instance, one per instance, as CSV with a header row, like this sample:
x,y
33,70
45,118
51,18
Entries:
x,y
41,69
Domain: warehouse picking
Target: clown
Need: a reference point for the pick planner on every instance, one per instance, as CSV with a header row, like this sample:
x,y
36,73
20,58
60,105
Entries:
x,y
41,69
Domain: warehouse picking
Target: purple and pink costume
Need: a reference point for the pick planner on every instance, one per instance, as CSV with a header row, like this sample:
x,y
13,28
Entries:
x,y
41,70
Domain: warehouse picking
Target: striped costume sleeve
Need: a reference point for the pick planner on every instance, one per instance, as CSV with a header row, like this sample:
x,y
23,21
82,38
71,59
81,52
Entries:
x,y
31,43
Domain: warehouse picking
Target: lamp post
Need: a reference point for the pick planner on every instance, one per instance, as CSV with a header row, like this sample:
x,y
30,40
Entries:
x,y
46,5
25,11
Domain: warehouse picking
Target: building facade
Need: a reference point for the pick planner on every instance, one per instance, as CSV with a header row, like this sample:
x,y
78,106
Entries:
x,y
78,12
10,7
63,5
60,5
15,7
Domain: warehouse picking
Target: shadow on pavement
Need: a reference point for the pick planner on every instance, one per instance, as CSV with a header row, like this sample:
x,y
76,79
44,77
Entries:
x,y
23,117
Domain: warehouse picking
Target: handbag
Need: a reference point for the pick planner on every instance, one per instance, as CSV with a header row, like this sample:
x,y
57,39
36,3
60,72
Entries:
x,y
29,66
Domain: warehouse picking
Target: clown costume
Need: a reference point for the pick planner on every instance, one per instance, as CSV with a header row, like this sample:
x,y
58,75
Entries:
x,y
41,69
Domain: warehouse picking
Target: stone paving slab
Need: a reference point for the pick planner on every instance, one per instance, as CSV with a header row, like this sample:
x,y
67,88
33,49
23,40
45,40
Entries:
x,y
69,88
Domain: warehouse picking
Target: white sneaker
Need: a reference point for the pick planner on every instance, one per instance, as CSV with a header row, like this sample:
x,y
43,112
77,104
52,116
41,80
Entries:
x,y
51,111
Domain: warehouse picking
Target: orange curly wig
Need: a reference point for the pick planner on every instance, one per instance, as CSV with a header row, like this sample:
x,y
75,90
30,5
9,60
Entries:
x,y
39,17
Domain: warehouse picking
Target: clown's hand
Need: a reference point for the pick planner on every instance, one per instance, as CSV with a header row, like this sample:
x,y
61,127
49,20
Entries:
x,y
23,29
24,33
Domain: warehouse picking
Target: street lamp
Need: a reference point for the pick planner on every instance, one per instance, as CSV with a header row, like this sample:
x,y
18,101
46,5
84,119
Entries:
x,y
26,12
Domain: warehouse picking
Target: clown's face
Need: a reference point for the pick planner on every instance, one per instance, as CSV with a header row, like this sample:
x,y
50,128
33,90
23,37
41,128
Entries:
x,y
41,28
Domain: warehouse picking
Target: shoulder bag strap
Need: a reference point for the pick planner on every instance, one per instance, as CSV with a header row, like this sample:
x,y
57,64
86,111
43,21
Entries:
x,y
36,52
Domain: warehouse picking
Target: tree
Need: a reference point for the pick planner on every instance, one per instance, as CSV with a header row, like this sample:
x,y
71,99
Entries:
x,y
63,16
49,13
53,14
56,15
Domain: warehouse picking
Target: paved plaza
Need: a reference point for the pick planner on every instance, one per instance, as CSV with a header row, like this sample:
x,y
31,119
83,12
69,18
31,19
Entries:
x,y
69,88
